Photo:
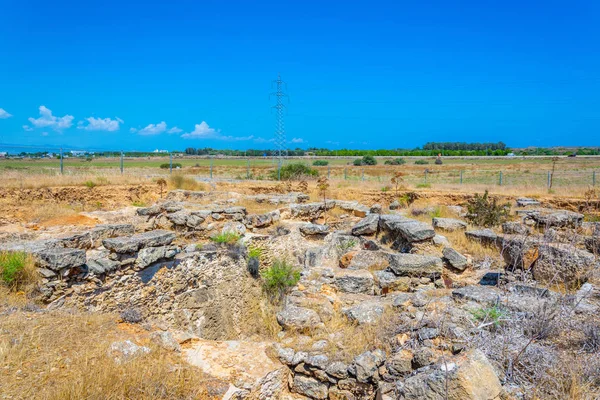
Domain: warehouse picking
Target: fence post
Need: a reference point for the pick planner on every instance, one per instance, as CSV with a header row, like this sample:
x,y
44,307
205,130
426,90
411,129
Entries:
x,y
426,171
328,172
121,162
461,176
549,179
345,176
500,181
363,175
170,163
211,166
61,161
593,178
248,169
279,170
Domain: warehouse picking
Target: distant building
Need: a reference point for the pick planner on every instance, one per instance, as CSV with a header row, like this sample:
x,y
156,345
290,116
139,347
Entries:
x,y
3,154
78,153
160,151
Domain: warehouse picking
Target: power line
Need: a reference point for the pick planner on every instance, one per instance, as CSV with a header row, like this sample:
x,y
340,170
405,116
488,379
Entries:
x,y
280,140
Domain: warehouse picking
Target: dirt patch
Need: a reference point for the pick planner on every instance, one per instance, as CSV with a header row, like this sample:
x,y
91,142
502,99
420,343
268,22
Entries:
x,y
80,220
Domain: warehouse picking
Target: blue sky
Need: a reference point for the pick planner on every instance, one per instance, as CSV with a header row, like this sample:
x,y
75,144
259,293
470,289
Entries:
x,y
377,74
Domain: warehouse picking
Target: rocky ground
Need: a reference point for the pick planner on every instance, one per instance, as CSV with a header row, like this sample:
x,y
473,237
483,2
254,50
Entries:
x,y
392,302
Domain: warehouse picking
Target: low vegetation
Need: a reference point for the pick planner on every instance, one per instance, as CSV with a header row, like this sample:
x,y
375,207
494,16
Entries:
x,y
179,181
279,278
366,160
17,271
320,163
294,171
486,211
168,165
421,162
226,238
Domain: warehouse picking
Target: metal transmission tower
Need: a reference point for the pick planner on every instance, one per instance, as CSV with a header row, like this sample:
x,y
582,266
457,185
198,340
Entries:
x,y
280,142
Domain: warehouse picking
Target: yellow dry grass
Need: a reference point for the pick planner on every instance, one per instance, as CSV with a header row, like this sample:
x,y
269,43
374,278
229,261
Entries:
x,y
60,355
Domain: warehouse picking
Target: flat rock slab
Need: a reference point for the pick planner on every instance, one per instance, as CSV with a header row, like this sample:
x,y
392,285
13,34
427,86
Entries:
x,y
484,236
314,229
559,219
368,312
455,259
59,258
293,317
131,244
415,265
527,202
245,364
409,229
449,224
355,281
367,225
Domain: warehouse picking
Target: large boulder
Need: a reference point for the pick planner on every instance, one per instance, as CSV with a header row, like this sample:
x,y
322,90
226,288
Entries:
x,y
136,242
563,263
390,282
562,218
355,281
57,259
449,224
300,318
366,364
484,236
409,230
468,377
366,259
368,312
515,228
367,225
416,265
314,229
455,259
309,387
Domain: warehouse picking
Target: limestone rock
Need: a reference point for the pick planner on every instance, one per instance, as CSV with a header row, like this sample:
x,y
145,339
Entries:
x,y
449,224
408,229
314,229
133,243
310,387
455,259
293,317
355,281
415,265
367,225
368,312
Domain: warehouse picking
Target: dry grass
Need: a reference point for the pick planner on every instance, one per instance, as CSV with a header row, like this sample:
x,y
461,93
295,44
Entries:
x,y
475,249
180,181
59,355
254,207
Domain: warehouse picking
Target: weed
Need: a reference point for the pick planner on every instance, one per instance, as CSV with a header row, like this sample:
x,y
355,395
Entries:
x,y
385,189
346,245
226,238
138,203
489,316
485,211
279,278
17,270
436,212
421,162
294,171
179,181
90,184
423,185
168,165
254,252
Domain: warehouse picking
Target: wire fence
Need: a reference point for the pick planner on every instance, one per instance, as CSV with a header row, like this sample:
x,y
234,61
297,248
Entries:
x,y
206,168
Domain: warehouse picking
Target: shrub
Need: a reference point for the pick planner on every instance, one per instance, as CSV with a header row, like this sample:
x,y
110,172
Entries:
x,y
397,161
358,162
591,341
168,165
90,184
226,238
438,161
17,270
295,171
254,254
491,315
320,163
485,211
421,162
369,160
279,278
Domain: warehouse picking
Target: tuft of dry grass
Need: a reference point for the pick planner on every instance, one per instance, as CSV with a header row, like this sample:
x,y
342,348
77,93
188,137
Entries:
x,y
179,181
18,272
42,362
475,249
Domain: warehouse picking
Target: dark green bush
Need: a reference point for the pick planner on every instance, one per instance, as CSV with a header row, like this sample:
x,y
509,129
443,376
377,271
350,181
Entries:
x,y
396,161
279,278
485,211
168,165
17,270
421,162
320,163
369,160
295,171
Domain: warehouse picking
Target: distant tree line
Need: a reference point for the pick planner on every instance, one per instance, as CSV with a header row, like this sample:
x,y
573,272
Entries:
x,y
464,146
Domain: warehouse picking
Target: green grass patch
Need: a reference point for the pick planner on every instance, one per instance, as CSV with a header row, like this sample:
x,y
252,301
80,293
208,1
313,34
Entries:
x,y
493,315
279,278
254,252
226,238
16,270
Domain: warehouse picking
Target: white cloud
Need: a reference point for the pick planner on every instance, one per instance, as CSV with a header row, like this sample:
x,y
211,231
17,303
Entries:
x,y
47,120
132,130
4,114
153,129
175,130
297,140
44,133
201,131
27,128
100,124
